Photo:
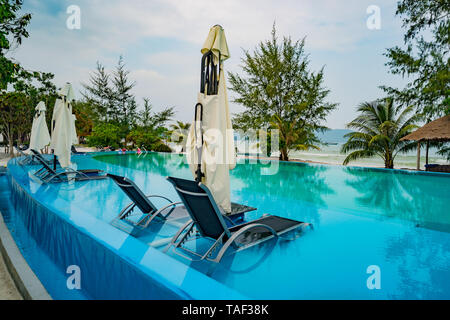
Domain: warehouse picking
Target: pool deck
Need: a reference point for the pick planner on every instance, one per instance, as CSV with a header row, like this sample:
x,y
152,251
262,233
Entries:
x,y
3,160
8,290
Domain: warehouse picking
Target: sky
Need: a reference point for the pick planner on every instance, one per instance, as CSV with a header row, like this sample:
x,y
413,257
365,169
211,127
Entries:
x,y
160,41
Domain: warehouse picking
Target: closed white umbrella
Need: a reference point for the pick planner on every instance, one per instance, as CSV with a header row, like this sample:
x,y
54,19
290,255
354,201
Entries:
x,y
39,130
63,126
210,138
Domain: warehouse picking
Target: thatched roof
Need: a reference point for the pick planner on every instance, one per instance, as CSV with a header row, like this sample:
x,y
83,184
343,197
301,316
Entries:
x,y
437,130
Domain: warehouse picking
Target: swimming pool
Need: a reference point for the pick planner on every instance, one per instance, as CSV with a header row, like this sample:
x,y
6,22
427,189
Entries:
x,y
395,220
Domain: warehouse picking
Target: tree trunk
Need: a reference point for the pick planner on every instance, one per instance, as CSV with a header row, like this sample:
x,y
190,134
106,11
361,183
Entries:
x,y
418,156
284,155
389,161
11,147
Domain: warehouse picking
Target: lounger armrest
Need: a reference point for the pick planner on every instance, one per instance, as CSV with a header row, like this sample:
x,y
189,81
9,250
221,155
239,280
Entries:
x,y
158,196
148,219
174,204
231,240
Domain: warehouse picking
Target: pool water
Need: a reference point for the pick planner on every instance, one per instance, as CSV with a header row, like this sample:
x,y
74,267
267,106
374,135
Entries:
x,y
395,220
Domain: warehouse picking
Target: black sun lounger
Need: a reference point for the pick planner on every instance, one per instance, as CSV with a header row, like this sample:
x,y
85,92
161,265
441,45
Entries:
x,y
36,154
208,219
30,158
47,174
148,210
27,158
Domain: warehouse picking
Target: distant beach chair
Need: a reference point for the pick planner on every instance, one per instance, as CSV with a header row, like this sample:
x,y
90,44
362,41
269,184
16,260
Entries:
x,y
74,151
47,174
149,212
208,219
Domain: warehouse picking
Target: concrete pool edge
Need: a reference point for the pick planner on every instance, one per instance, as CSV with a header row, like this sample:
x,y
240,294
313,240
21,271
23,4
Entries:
x,y
181,285
26,281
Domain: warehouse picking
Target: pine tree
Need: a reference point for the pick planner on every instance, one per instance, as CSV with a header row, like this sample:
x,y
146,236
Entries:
x,y
99,94
279,91
125,103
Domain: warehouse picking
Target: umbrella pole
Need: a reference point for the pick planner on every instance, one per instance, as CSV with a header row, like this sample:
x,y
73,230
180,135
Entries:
x,y
198,121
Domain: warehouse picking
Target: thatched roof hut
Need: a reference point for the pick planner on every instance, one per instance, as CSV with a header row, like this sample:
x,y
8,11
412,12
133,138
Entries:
x,y
437,130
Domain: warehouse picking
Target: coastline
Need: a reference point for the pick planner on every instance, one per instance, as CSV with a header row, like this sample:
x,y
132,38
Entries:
x,y
321,162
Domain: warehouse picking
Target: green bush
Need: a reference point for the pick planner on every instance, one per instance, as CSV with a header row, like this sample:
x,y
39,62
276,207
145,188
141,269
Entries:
x,y
105,134
161,147
142,137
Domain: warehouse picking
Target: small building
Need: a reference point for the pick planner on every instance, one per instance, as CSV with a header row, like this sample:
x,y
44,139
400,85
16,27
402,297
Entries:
x,y
437,130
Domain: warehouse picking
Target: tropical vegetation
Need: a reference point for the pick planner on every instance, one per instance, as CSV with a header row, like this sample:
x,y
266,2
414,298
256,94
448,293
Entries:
x,y
423,60
379,128
20,89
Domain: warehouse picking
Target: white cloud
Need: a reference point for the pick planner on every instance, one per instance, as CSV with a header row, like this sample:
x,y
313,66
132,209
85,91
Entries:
x,y
157,37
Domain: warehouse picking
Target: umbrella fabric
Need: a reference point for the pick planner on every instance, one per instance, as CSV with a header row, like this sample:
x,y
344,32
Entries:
x,y
39,130
216,42
74,130
68,93
217,152
63,126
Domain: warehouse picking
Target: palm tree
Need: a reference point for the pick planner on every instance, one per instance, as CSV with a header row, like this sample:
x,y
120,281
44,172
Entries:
x,y
179,133
379,128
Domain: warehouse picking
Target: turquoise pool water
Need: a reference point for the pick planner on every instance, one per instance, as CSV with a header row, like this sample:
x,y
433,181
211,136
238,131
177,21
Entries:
x,y
397,221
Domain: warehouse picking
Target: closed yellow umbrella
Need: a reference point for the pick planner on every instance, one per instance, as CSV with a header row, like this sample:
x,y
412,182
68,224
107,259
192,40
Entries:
x,y
63,126
210,142
40,137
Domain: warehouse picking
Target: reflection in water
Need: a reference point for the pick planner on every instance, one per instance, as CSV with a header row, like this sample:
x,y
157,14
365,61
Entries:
x,y
410,197
295,191
429,283
233,263
158,163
